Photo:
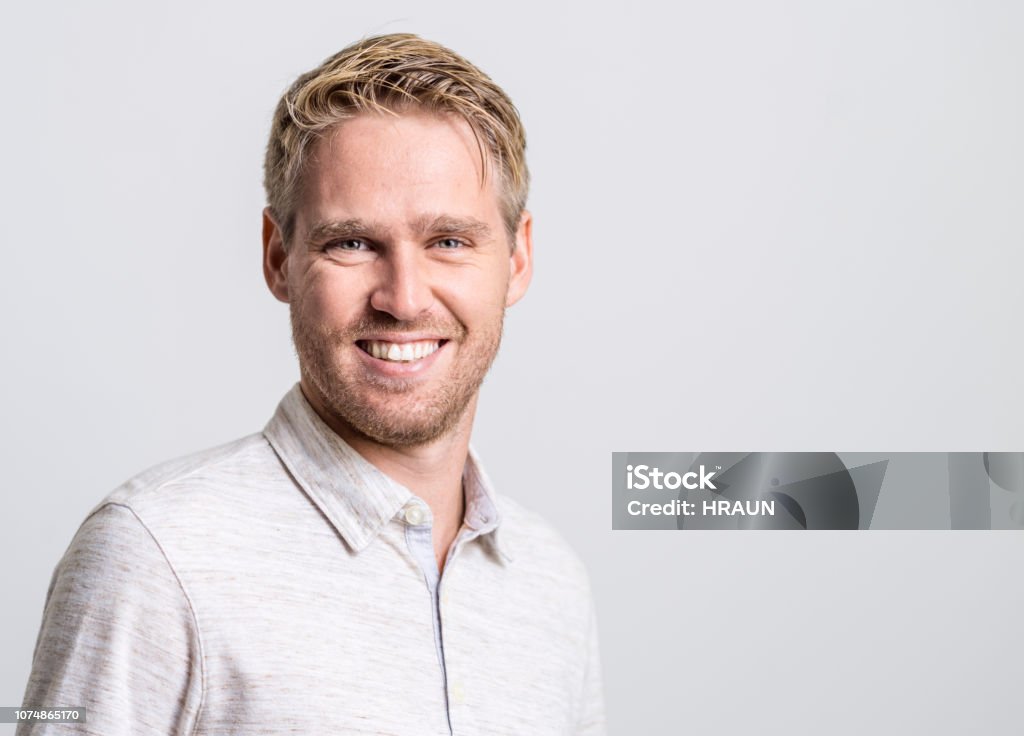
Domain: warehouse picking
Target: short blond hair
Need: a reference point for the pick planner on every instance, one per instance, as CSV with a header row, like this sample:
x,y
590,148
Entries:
x,y
391,74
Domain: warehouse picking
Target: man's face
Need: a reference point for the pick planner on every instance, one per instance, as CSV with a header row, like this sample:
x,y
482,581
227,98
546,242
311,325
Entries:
x,y
398,275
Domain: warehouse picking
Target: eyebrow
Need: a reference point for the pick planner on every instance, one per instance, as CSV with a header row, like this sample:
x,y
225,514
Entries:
x,y
448,225
338,229
422,226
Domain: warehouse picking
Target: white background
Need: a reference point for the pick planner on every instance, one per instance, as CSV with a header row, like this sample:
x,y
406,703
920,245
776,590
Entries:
x,y
759,226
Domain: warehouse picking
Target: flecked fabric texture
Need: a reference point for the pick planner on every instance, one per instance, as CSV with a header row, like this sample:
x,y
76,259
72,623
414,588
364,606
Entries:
x,y
267,587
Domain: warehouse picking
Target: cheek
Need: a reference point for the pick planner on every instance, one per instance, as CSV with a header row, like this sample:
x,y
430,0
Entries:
x,y
474,303
484,288
329,299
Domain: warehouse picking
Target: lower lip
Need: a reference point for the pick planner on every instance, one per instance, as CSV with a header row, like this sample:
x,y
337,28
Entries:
x,y
400,369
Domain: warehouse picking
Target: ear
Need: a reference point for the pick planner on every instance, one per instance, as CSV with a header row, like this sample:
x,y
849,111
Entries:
x,y
521,260
275,257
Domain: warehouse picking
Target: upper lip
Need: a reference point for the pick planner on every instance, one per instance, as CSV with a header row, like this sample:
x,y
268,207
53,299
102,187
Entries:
x,y
401,338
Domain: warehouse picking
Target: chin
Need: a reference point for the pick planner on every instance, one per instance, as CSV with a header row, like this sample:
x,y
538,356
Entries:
x,y
393,420
386,431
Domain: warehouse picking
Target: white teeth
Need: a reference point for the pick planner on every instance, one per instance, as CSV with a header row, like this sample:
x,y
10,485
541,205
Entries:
x,y
400,352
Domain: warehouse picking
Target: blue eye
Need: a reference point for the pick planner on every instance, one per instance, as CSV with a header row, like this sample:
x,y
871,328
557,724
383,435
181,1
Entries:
x,y
450,243
350,244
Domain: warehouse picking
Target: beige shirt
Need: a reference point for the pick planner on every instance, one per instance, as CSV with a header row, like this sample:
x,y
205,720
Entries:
x,y
279,584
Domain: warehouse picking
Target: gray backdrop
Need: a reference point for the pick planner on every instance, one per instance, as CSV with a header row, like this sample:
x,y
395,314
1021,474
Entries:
x,y
759,226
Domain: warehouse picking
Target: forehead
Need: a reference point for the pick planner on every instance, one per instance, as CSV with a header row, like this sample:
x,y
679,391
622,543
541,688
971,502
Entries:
x,y
397,168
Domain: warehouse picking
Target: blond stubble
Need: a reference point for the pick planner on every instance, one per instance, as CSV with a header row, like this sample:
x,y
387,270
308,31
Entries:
x,y
381,408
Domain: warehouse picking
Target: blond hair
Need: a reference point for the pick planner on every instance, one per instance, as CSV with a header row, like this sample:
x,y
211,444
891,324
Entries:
x,y
391,74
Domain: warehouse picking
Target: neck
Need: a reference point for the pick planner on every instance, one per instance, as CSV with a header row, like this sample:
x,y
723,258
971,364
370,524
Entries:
x,y
433,471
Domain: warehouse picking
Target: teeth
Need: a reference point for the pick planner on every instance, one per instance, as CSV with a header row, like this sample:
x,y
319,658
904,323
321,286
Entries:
x,y
400,352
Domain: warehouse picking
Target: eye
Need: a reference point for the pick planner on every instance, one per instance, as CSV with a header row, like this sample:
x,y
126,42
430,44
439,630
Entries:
x,y
449,243
349,244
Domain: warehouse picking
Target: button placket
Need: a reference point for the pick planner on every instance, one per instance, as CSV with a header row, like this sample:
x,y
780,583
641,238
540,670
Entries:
x,y
419,541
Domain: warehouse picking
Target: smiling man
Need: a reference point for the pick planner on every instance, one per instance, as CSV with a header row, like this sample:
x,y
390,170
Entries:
x,y
350,569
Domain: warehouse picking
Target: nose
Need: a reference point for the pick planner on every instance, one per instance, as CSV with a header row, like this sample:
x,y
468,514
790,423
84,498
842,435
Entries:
x,y
402,290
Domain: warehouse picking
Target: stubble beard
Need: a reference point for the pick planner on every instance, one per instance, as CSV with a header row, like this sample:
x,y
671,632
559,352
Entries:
x,y
394,412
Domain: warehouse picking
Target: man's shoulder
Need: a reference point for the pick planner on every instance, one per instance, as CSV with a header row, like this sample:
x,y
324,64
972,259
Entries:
x,y
198,482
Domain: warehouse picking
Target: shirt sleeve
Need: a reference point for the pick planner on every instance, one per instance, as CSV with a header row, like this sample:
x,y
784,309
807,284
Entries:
x,y
591,721
118,636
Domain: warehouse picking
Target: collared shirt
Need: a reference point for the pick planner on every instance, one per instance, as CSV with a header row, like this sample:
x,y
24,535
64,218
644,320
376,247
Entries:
x,y
282,584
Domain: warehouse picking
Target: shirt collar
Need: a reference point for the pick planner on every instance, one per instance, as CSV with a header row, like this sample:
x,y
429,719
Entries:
x,y
482,513
356,497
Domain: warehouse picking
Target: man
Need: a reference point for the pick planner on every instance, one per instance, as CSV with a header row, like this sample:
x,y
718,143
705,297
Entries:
x,y
350,569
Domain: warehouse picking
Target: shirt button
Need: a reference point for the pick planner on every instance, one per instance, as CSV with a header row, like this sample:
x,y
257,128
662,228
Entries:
x,y
414,515
444,599
458,695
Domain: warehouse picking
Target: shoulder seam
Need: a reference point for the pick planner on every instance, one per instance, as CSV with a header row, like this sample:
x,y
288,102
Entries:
x,y
188,600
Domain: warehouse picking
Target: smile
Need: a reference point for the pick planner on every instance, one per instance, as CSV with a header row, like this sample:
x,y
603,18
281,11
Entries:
x,y
399,352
